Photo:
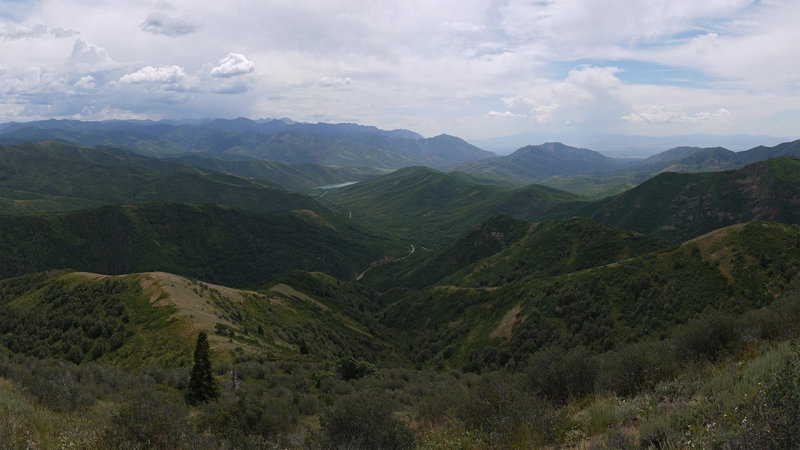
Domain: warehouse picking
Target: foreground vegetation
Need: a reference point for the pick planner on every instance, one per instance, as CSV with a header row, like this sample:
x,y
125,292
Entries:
x,y
716,383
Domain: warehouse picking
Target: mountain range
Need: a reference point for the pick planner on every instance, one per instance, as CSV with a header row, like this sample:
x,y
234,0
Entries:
x,y
281,141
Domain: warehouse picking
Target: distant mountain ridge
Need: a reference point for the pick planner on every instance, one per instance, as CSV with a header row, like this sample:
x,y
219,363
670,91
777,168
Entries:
x,y
695,159
345,144
536,162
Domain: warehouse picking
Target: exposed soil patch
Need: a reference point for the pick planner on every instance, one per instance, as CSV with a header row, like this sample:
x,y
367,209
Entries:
x,y
507,324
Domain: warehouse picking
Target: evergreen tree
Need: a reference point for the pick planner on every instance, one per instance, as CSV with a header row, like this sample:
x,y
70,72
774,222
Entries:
x,y
202,384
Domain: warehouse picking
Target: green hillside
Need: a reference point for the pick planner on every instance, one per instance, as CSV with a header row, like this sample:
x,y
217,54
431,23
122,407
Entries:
x,y
733,270
295,177
433,208
51,177
680,206
503,250
212,243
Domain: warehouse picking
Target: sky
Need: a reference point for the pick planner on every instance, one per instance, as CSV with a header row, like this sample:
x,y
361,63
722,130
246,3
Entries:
x,y
471,68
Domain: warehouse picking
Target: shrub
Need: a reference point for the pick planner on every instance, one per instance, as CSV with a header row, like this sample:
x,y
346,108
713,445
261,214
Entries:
x,y
248,415
366,420
349,368
149,419
706,337
561,376
775,412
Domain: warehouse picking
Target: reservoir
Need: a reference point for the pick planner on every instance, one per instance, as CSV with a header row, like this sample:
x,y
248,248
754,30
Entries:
x,y
332,186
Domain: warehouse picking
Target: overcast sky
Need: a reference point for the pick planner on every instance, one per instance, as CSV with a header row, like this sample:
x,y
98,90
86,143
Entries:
x,y
470,68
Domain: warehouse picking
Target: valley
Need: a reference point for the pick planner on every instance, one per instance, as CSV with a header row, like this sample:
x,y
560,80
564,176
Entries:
x,y
435,294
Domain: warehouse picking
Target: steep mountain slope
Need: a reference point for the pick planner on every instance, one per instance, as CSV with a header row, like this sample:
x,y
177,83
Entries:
x,y
536,162
553,248
679,206
733,270
212,243
502,250
434,207
52,177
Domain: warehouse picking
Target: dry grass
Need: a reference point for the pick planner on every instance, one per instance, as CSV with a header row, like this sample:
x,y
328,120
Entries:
x,y
289,291
504,330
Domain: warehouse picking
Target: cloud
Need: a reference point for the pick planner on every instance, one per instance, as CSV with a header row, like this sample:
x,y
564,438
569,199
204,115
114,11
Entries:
x,y
463,27
505,114
17,32
149,74
86,83
232,65
334,81
662,114
160,23
86,53
231,87
60,32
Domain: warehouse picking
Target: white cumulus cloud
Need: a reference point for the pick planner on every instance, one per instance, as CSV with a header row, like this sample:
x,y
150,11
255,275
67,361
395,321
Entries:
x,y
232,65
86,83
86,53
150,74
663,114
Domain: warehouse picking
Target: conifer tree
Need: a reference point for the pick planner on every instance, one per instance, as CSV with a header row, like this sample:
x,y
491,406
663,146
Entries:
x,y
202,384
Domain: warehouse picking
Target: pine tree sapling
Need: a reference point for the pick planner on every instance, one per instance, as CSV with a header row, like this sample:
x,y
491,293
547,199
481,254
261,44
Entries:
x,y
202,384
